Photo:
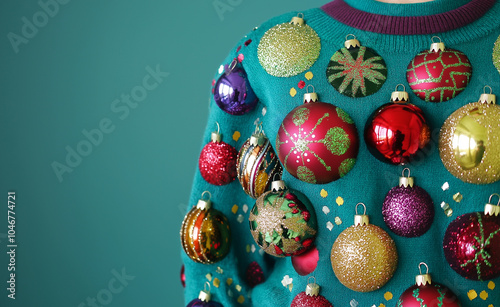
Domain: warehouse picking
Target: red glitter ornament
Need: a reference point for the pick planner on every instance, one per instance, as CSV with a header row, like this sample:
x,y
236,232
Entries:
x,y
396,131
317,142
217,161
472,244
427,293
310,297
439,74
254,275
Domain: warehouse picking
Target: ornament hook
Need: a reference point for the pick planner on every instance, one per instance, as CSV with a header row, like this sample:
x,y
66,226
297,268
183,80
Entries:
x,y
274,177
406,181
495,194
364,212
218,127
406,169
348,35
436,47
314,278
209,195
307,89
205,287
432,39
420,267
300,15
232,66
487,86
404,88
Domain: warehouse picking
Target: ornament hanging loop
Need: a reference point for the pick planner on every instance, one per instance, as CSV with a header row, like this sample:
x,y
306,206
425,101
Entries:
x,y
204,204
490,208
351,43
399,96
205,295
436,47
406,181
310,97
312,289
298,20
361,219
216,136
420,268
488,98
231,66
423,279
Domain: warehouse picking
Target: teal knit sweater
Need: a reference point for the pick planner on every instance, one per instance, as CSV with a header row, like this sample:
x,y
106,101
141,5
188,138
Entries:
x,y
398,41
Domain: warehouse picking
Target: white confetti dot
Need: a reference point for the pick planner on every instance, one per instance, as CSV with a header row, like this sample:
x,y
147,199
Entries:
x,y
329,225
221,69
261,252
354,303
264,111
445,186
253,248
240,218
326,210
245,208
286,281
229,293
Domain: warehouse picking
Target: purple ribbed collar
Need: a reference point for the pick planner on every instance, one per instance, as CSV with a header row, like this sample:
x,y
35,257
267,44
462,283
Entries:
x,y
404,25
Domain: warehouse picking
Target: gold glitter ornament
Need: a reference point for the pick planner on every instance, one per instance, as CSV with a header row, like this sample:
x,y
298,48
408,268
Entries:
x,y
364,256
496,54
288,49
469,141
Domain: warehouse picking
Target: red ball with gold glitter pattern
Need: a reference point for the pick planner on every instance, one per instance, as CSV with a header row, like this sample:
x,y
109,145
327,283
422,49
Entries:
x,y
310,297
439,74
317,142
472,243
217,161
254,274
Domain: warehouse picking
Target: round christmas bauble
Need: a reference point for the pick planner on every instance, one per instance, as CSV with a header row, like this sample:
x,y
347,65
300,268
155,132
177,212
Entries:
x,y
317,142
257,164
217,162
288,49
396,131
233,93
183,277
472,246
205,233
307,262
356,71
439,74
364,256
408,209
496,54
199,303
254,274
468,142
283,222
310,297
430,295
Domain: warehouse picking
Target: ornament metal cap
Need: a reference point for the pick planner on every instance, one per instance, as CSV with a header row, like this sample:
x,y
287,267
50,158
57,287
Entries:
x,y
436,47
216,136
204,204
298,20
258,138
400,96
278,185
351,43
312,289
488,98
406,181
310,97
423,279
204,295
490,209
361,219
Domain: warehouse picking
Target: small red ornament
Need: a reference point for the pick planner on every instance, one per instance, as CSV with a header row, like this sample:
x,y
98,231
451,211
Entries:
x,y
472,243
255,275
427,293
310,297
183,277
217,161
317,142
306,263
439,74
396,131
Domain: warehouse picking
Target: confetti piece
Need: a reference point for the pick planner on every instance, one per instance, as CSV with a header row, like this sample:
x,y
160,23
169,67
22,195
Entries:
x,y
261,252
483,295
323,193
253,248
293,92
256,122
209,277
388,296
472,294
236,136
248,42
264,111
491,285
216,282
445,186
245,208
234,209
286,281
309,75
458,197
446,208
238,49
238,288
381,305
339,201
229,293
354,303
241,57
213,82
290,287
240,218
248,248
221,69
220,270
338,221
301,84
491,305
229,281
329,225
241,299
326,210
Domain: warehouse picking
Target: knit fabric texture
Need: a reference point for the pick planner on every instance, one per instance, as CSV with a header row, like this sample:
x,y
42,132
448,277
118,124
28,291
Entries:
x,y
397,33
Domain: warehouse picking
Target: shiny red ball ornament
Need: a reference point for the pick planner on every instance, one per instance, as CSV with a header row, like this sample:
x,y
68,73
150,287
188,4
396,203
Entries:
x,y
317,142
217,162
472,244
310,298
396,131
254,274
427,293
439,74
307,262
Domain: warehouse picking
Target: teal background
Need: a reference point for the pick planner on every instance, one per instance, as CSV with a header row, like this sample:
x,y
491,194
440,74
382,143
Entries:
x,y
121,207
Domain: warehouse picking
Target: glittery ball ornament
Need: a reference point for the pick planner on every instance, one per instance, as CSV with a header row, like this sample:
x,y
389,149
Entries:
x,y
472,244
217,162
364,256
469,141
408,209
425,292
254,274
204,299
397,131
496,54
205,233
355,70
233,93
317,142
257,164
439,74
288,49
283,222
310,297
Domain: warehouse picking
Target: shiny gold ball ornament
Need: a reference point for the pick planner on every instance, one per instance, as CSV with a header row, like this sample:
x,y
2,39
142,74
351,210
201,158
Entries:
x,y
205,233
288,49
364,256
469,142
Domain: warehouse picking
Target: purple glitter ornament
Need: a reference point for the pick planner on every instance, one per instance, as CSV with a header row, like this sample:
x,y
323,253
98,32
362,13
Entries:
x,y
233,93
199,303
408,209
